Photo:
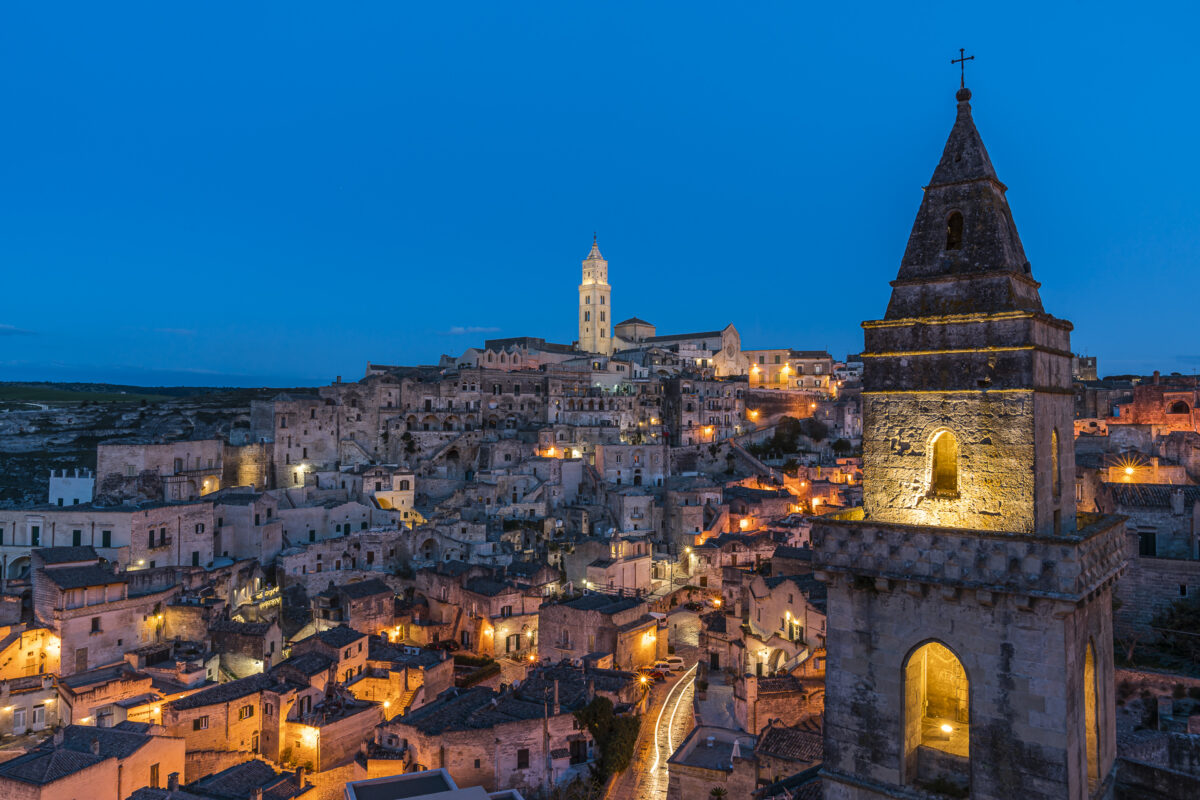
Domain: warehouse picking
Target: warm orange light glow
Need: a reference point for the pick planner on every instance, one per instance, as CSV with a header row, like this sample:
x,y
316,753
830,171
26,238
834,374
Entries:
x,y
1129,470
743,523
387,703
752,413
550,452
716,602
310,736
708,431
644,679
532,657
947,728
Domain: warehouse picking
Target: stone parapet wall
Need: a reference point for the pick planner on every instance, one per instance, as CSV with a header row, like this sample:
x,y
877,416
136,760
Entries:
x,y
1148,587
1060,567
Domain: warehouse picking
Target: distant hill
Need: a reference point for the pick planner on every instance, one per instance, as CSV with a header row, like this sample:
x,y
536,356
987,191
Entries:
x,y
45,392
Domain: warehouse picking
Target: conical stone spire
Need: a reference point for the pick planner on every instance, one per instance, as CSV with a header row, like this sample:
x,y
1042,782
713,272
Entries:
x,y
594,255
964,254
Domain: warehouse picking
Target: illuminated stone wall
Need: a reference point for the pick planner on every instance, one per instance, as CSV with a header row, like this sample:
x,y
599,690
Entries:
x,y
1001,385
1009,606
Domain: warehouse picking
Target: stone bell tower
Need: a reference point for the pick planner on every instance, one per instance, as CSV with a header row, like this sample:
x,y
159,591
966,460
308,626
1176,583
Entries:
x,y
970,614
595,304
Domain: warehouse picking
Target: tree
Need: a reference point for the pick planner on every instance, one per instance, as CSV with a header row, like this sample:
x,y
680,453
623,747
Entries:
x,y
842,447
815,429
615,736
718,792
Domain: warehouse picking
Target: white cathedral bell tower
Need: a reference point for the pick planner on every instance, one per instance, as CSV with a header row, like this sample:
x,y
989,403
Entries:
x,y
595,306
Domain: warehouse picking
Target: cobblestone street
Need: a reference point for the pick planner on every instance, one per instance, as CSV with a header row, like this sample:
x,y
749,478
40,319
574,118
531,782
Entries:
x,y
666,722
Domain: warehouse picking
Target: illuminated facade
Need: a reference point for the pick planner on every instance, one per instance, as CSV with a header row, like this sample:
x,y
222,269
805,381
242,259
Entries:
x,y
968,609
595,305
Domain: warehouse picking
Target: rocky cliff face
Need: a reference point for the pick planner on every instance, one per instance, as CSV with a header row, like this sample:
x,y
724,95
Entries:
x,y
36,438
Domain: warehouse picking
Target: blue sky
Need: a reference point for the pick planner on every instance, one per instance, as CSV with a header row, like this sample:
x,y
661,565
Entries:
x,y
276,193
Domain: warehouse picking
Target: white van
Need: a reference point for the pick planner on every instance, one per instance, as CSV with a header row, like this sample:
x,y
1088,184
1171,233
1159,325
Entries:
x,y
674,663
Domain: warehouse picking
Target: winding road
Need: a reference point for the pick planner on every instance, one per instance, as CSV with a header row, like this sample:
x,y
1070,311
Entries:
x,y
668,721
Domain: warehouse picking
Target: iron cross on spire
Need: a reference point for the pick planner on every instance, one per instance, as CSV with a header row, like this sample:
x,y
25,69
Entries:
x,y
962,65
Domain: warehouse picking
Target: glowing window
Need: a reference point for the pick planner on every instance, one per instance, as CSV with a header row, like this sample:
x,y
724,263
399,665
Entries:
x,y
1055,465
945,464
1090,703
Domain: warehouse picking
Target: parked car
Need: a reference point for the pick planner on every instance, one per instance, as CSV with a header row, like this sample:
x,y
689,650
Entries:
x,y
656,675
693,605
675,663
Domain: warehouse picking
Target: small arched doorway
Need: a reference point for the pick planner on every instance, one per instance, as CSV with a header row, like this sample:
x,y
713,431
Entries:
x,y
936,715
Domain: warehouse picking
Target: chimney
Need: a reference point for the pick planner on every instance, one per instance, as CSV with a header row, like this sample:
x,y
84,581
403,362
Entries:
x,y
1177,502
556,709
300,776
591,692
58,737
173,782
95,747
1156,377
257,794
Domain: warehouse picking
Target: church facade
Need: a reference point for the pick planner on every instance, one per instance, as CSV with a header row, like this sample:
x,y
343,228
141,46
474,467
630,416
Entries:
x,y
970,612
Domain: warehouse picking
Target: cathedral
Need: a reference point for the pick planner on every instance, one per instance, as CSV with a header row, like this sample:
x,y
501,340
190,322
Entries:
x,y
720,351
970,608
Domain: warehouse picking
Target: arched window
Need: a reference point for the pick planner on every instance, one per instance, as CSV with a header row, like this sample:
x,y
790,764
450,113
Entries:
x,y
1179,407
1091,700
936,712
1055,464
587,316
954,231
944,477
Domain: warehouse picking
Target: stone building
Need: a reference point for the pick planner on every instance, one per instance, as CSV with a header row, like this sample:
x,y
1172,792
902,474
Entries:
x,y
246,648
525,736
95,763
970,616
702,411
711,757
71,488
185,469
790,369
30,704
597,623
1162,550
367,606
97,614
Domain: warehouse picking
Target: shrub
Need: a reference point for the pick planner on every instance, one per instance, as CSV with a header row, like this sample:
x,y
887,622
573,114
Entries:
x,y
615,736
